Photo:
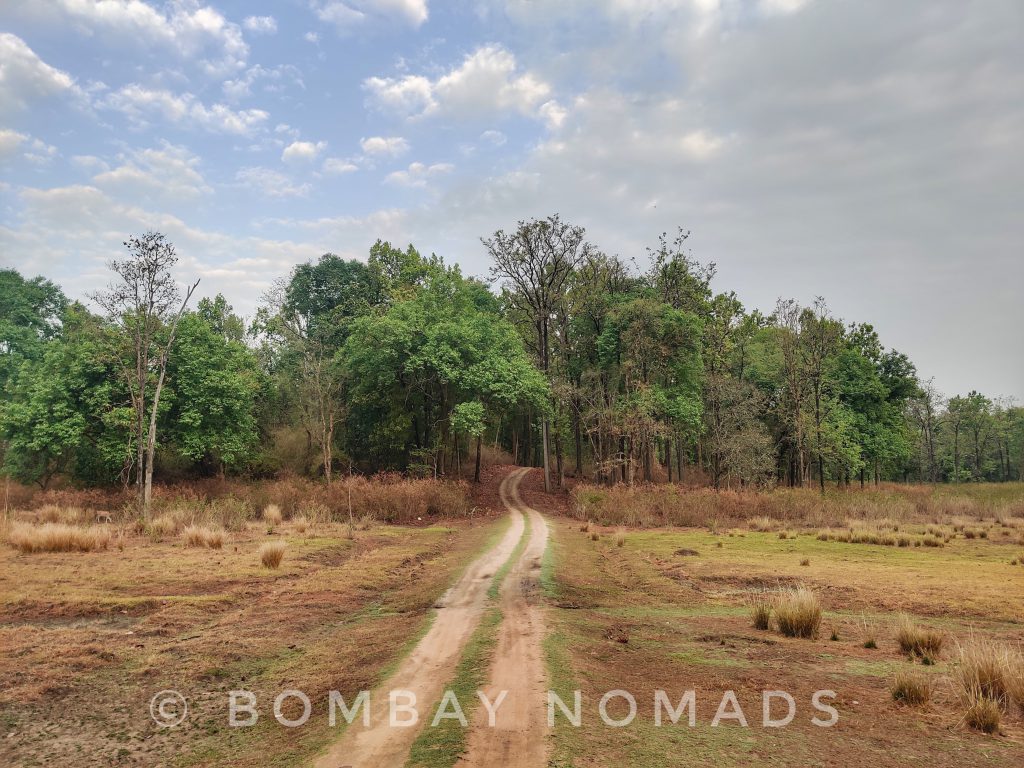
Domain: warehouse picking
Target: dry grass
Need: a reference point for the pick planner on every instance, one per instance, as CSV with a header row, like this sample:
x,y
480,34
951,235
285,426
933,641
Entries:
x,y
56,537
272,516
798,613
764,524
620,539
915,640
911,688
164,525
272,553
989,670
300,523
760,603
982,714
201,536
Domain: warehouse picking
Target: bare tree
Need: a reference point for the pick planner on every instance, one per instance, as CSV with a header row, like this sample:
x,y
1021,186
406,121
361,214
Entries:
x,y
141,300
537,261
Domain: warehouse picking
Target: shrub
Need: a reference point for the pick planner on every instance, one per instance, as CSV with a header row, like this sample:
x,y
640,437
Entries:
x,y
300,523
911,688
798,613
760,603
916,640
57,537
201,536
271,554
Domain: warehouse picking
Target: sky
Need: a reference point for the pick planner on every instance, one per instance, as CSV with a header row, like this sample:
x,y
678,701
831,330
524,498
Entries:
x,y
867,151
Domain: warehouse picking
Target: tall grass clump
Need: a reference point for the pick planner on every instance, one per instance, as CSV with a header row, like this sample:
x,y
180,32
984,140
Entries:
x,y
987,670
915,640
272,516
798,613
760,604
201,536
911,688
56,537
271,554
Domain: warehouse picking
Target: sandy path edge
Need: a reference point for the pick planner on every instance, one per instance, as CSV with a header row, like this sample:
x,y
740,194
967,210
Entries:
x,y
430,665
518,736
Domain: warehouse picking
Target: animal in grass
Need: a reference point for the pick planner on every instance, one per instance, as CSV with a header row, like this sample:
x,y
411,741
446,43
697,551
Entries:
x,y
103,517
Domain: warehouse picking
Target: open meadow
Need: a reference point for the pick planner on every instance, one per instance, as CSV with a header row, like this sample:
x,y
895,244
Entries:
x,y
905,602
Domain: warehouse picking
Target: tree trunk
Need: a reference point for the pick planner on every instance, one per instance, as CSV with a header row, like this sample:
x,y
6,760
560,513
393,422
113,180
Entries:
x,y
476,472
547,470
668,457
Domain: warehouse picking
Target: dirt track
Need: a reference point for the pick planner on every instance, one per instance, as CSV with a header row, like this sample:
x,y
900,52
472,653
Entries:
x,y
517,739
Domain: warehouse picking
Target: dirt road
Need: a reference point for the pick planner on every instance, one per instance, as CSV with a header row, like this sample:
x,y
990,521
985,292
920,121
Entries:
x,y
517,737
432,663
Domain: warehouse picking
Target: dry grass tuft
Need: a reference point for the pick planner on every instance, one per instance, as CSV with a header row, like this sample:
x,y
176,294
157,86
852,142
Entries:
x,y
164,525
982,714
272,516
620,539
300,523
806,561
271,554
911,688
764,524
56,537
201,536
989,670
916,640
760,603
798,613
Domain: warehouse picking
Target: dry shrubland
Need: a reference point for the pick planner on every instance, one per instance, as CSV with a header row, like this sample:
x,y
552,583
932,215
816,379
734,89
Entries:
x,y
875,514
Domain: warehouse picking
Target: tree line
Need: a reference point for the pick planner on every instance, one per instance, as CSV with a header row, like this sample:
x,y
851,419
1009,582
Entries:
x,y
566,358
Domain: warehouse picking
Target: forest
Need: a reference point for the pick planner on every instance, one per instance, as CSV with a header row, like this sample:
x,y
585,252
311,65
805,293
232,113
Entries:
x,y
565,357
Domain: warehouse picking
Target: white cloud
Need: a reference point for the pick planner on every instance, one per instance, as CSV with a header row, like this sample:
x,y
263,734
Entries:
x,y
40,152
772,7
189,29
311,37
260,24
24,77
352,13
169,173
141,105
391,146
275,79
303,151
10,141
70,233
488,80
271,183
418,174
89,163
407,95
337,165
36,150
494,138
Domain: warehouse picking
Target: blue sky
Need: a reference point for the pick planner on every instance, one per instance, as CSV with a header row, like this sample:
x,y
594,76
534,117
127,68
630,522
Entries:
x,y
867,151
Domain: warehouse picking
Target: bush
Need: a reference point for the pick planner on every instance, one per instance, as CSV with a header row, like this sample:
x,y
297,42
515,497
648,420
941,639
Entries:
x,y
915,640
911,688
271,554
57,537
798,613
